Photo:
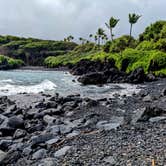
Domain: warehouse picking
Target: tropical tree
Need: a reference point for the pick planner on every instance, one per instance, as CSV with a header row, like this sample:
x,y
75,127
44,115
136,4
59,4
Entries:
x,y
96,38
70,38
100,33
91,36
133,18
112,23
81,40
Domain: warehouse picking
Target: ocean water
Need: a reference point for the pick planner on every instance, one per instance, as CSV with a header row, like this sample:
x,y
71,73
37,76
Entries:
x,y
29,81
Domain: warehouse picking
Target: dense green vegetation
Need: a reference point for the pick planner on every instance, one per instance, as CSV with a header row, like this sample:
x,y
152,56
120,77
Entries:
x,y
9,63
148,52
33,51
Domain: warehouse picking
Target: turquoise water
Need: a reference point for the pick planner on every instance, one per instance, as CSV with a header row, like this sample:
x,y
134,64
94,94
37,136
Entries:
x,y
28,81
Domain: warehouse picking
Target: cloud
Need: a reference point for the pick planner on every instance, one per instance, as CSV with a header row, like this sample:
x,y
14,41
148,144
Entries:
x,y
56,19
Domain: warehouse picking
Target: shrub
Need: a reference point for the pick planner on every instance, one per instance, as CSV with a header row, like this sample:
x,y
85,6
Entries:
x,y
153,32
153,60
157,61
120,44
161,44
106,47
10,63
146,46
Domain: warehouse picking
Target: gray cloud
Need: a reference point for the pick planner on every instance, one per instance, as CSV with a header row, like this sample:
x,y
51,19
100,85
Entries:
x,y
56,19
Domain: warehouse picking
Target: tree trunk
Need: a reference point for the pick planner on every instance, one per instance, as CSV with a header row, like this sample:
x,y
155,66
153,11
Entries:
x,y
99,41
131,26
111,34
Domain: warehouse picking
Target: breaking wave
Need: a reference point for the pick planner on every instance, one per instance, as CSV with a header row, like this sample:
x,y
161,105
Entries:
x,y
7,87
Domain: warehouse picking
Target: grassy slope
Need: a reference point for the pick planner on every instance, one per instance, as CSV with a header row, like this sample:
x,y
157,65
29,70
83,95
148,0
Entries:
x,y
33,51
10,63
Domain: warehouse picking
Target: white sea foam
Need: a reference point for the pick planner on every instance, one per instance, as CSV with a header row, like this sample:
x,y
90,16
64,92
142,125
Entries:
x,y
126,89
11,89
7,81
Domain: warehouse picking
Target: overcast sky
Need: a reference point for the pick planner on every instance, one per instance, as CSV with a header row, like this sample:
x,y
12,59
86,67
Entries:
x,y
56,19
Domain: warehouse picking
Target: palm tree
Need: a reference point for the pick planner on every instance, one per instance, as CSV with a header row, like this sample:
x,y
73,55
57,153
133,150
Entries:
x,y
112,23
100,33
65,40
96,38
90,36
81,40
70,38
133,18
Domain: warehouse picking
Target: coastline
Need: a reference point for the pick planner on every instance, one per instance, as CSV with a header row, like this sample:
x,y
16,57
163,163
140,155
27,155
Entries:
x,y
42,68
42,128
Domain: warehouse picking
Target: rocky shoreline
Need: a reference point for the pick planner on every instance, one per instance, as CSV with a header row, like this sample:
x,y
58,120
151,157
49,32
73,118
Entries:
x,y
40,130
97,72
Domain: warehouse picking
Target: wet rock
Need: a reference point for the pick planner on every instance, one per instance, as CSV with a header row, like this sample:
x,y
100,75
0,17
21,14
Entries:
x,y
163,93
11,157
53,111
91,120
5,129
110,160
3,118
48,162
12,108
27,151
143,93
5,143
157,119
137,76
51,104
24,162
34,125
92,103
2,156
39,154
17,146
150,77
39,115
114,123
138,115
61,152
16,122
145,114
92,78
49,119
19,133
65,129
73,134
53,141
54,129
148,98
31,113
42,138
40,105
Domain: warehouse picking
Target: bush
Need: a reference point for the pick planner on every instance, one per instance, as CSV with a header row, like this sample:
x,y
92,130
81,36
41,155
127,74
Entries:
x,y
120,44
150,60
153,32
106,47
163,32
146,46
80,52
157,61
161,45
10,63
